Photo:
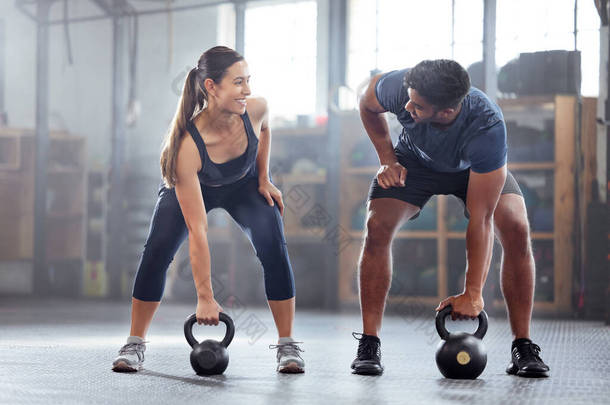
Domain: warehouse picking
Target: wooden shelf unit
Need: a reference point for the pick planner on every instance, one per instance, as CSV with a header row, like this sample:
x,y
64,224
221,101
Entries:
x,y
355,182
298,168
66,202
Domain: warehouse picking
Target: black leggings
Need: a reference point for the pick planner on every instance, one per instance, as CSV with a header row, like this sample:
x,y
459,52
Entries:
x,y
261,222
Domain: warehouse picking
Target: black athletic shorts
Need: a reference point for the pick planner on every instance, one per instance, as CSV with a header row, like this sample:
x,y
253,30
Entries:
x,y
422,183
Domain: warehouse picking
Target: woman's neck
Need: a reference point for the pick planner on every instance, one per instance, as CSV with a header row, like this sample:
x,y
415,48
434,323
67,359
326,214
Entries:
x,y
219,120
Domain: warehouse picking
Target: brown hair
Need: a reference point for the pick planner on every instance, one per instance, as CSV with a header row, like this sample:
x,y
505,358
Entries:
x,y
212,64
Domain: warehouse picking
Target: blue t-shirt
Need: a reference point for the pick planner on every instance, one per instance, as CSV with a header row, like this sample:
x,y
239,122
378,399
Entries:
x,y
475,140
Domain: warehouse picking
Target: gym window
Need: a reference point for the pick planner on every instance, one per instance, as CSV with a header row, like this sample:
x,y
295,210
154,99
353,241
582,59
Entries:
x,y
280,47
394,34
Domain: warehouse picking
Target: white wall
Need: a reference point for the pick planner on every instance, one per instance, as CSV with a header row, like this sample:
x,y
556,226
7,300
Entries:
x,y
20,68
80,95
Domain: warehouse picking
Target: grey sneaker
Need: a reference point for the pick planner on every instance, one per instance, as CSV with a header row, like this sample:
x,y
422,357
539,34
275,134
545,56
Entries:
x,y
130,358
288,358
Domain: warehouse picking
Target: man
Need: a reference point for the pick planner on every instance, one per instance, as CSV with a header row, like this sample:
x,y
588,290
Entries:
x,y
453,142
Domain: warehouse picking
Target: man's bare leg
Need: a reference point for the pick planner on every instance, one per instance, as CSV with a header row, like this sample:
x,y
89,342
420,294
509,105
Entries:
x,y
384,217
518,281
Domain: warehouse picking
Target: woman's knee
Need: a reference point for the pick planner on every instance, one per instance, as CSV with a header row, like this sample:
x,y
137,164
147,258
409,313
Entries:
x,y
149,283
158,245
272,252
279,282
159,251
266,233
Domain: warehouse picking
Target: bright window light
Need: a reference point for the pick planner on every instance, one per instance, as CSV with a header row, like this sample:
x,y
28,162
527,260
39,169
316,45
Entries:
x,y
394,34
280,48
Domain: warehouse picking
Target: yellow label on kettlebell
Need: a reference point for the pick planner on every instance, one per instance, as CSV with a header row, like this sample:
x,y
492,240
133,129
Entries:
x,y
463,358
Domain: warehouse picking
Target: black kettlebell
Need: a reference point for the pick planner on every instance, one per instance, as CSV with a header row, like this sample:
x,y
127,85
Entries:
x,y
210,356
460,355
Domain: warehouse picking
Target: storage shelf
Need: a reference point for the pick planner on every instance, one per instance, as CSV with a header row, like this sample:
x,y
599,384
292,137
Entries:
x,y
543,235
404,300
302,178
66,218
300,238
511,166
521,103
532,166
299,131
539,306
10,152
534,235
362,170
307,233
402,234
426,300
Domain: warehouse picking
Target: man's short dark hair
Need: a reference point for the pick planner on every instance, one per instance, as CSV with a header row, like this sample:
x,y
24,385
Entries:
x,y
442,82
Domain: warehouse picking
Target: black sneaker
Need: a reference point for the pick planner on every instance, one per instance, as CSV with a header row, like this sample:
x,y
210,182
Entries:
x,y
368,360
526,361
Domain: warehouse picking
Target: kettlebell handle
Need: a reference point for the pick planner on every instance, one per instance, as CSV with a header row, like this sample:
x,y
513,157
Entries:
x,y
192,320
442,315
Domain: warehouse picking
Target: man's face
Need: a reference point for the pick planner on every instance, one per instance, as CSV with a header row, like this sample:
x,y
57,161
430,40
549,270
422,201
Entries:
x,y
419,108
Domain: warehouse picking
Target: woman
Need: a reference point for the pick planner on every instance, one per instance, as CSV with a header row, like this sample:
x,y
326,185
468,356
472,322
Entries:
x,y
215,155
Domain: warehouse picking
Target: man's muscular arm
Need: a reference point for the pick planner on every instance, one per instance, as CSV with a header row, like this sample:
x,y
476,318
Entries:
x,y
391,173
483,194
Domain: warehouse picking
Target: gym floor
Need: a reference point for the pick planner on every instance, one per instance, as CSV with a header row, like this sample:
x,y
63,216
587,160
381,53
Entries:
x,y
60,352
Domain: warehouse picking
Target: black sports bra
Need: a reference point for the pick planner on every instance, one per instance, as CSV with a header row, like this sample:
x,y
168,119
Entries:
x,y
219,174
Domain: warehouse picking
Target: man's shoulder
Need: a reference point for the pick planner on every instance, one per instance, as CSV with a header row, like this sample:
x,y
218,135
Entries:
x,y
393,77
478,101
481,110
390,90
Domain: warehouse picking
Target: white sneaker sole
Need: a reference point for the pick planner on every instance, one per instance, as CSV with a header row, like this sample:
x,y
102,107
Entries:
x,y
123,367
290,368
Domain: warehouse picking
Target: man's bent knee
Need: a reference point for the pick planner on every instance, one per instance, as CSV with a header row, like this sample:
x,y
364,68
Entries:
x,y
516,238
378,233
